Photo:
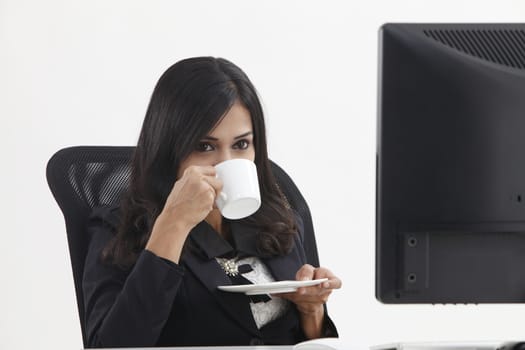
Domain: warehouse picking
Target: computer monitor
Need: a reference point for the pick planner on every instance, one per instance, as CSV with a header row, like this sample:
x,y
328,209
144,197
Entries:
x,y
450,215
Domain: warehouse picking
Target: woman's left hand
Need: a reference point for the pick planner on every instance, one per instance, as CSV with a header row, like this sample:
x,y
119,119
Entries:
x,y
310,300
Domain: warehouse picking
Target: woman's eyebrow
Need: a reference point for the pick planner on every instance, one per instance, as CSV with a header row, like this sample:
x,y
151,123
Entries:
x,y
211,138
243,135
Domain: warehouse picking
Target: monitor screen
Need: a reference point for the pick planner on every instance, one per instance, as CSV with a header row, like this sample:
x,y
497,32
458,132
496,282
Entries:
x,y
450,209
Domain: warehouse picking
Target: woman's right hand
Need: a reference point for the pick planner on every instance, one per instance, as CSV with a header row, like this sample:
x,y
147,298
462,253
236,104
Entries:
x,y
189,202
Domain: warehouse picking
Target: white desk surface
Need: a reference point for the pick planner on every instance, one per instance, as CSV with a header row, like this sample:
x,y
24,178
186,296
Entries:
x,y
256,347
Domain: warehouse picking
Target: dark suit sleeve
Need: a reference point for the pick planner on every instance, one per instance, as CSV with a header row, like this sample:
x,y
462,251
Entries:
x,y
126,308
307,241
329,330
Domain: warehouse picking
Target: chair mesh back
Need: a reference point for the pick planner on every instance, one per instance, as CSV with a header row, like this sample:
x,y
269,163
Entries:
x,y
98,183
81,178
85,177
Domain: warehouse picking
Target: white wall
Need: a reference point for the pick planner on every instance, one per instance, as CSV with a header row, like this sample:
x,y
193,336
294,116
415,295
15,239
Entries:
x,y
81,72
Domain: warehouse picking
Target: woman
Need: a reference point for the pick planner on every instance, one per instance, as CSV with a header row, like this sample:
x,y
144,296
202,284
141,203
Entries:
x,y
155,262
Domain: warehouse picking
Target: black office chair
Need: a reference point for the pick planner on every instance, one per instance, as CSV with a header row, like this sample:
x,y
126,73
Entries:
x,y
84,177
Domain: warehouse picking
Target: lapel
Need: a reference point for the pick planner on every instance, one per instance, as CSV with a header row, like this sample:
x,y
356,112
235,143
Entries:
x,y
281,267
285,267
210,274
206,244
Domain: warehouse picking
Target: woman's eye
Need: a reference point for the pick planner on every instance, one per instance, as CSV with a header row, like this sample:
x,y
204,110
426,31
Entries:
x,y
242,144
204,147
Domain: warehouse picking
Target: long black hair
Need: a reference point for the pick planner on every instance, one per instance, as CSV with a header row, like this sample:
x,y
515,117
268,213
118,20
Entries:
x,y
189,99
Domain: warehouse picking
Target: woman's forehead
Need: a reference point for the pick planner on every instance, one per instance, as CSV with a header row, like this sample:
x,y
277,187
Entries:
x,y
236,121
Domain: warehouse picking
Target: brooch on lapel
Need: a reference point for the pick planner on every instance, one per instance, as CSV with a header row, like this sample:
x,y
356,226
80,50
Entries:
x,y
229,266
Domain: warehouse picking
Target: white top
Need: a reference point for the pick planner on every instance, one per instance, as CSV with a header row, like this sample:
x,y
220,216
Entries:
x,y
263,312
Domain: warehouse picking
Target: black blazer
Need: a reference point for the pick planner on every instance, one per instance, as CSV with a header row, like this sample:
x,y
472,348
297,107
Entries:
x,y
160,303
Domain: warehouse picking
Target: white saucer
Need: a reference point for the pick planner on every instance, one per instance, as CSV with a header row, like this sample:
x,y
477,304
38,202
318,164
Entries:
x,y
272,287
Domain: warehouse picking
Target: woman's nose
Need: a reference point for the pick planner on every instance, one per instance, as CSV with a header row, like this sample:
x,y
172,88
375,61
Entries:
x,y
223,156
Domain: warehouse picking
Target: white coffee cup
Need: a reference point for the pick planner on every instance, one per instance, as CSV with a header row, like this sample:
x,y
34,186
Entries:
x,y
240,196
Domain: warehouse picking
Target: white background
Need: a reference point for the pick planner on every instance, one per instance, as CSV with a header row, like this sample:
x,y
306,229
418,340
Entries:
x,y
81,72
